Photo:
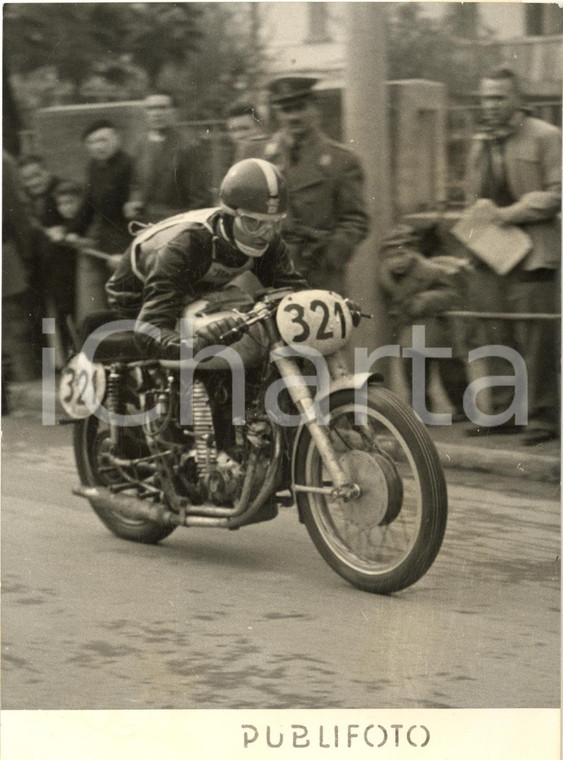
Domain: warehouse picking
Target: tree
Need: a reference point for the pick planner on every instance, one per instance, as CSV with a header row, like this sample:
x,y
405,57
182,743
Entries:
x,y
423,47
203,52
71,38
227,62
82,39
160,34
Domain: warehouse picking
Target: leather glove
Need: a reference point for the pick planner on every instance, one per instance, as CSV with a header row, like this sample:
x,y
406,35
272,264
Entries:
x,y
212,334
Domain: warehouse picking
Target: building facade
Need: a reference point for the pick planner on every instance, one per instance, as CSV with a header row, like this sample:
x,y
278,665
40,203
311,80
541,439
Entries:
x,y
310,38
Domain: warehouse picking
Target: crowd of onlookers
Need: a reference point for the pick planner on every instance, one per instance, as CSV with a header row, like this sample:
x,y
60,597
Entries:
x,y
65,236
61,239
78,231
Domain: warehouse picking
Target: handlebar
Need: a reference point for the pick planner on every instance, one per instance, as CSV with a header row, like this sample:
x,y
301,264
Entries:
x,y
356,312
260,312
266,306
233,335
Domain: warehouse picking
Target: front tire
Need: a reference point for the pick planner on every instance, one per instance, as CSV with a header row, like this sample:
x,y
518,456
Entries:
x,y
91,449
388,538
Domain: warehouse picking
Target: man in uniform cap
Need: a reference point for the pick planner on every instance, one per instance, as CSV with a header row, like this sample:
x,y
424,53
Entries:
x,y
327,217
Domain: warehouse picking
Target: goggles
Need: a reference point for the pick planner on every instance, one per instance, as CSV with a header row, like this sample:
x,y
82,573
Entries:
x,y
256,227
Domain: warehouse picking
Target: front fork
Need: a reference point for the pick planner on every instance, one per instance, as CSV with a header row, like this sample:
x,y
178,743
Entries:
x,y
301,396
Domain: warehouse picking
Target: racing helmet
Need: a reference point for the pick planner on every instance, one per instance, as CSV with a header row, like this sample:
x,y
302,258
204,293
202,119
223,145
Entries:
x,y
254,195
255,188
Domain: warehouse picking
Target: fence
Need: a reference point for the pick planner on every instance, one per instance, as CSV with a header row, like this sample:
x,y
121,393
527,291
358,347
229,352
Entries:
x,y
519,317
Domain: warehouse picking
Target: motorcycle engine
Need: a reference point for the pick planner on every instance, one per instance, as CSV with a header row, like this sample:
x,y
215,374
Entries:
x,y
219,475
222,481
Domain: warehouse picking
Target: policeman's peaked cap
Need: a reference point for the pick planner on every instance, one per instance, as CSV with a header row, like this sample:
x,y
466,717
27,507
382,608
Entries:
x,y
286,89
255,187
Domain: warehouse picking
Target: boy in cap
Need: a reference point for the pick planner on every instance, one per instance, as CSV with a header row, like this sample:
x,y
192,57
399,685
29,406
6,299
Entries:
x,y
420,286
327,217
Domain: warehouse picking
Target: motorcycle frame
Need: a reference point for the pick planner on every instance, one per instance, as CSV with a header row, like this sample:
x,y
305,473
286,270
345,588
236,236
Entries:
x,y
208,515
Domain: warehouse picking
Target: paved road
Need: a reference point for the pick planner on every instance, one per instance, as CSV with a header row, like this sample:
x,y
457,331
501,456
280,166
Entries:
x,y
255,619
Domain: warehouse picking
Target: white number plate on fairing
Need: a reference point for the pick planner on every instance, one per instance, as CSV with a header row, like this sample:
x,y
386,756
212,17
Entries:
x,y
318,319
81,387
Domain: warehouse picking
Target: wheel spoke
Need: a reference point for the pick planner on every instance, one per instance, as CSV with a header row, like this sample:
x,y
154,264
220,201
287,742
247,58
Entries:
x,y
377,532
119,477
127,468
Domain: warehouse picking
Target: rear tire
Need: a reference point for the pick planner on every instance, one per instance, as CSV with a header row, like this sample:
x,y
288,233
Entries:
x,y
387,539
91,442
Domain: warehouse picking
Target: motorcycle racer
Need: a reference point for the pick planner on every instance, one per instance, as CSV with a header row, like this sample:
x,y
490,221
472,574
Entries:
x,y
184,257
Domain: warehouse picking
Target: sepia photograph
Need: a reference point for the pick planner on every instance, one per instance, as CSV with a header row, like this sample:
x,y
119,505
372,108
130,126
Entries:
x,y
281,387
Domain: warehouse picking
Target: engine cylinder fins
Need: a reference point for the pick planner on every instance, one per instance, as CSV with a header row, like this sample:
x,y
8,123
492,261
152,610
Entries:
x,y
205,448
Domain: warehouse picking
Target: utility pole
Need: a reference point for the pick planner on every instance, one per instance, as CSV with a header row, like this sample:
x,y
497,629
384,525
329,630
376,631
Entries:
x,y
366,132
255,43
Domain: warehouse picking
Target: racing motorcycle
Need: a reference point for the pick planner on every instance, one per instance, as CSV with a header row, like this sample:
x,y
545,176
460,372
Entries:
x,y
159,444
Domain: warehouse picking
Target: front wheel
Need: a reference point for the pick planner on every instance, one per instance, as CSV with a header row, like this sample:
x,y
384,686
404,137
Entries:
x,y
388,538
96,467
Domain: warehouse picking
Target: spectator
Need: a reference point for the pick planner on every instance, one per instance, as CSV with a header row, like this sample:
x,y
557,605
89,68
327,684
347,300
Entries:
x,y
245,130
327,217
169,173
108,182
419,289
39,184
60,266
100,217
17,354
514,178
69,197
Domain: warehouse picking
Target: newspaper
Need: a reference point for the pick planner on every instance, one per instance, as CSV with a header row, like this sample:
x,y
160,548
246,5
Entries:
x,y
500,247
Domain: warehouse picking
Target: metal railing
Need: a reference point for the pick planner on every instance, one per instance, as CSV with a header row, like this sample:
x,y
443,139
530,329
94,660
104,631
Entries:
x,y
451,314
508,316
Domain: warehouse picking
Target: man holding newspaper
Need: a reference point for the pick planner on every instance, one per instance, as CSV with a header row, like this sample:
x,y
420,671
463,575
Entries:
x,y
512,226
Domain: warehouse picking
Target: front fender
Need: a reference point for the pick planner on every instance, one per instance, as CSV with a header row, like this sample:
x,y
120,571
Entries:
x,y
352,382
347,382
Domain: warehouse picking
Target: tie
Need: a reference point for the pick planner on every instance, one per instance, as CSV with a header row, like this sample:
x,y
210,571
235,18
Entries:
x,y
496,183
496,163
294,152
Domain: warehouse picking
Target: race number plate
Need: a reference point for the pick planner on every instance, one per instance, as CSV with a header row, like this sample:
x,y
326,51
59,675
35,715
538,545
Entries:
x,y
318,319
82,387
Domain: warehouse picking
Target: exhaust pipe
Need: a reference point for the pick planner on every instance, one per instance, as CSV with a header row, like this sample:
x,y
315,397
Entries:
x,y
128,506
208,515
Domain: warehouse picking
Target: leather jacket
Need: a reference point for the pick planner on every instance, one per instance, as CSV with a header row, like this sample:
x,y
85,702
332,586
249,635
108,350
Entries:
x,y
181,259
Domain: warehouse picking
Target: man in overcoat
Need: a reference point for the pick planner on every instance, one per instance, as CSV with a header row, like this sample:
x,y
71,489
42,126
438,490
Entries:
x,y
100,216
514,178
108,180
327,217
